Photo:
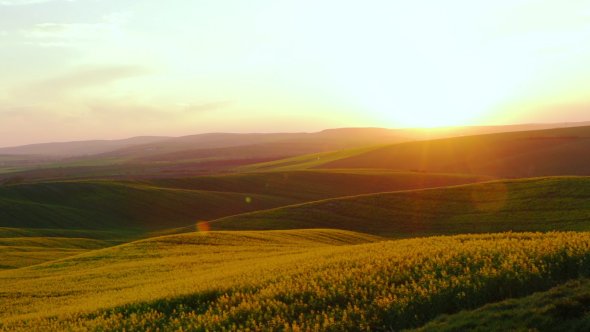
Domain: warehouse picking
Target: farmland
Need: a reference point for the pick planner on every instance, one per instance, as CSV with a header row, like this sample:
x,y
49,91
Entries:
x,y
144,205
294,166
114,212
298,245
286,280
539,204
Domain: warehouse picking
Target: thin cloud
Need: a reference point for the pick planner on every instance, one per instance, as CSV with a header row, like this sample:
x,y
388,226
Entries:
x,y
191,107
84,77
112,26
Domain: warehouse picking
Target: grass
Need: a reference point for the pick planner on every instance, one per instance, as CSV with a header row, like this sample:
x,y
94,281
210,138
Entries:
x,y
21,252
305,280
147,205
563,308
304,162
122,211
539,204
7,232
24,247
153,268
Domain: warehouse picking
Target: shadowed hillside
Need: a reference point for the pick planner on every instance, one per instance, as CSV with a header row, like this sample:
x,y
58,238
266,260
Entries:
x,y
540,204
562,308
167,203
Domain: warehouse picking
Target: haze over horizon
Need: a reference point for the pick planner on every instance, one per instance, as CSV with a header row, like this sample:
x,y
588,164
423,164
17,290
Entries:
x,y
105,69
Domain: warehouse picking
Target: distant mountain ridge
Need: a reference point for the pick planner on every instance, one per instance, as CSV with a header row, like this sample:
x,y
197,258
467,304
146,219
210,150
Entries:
x,y
78,148
328,139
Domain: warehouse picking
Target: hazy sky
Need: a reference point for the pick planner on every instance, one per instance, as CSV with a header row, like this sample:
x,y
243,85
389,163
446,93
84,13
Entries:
x,y
87,69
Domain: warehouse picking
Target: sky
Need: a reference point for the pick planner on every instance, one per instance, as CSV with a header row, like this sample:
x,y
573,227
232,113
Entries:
x,y
111,69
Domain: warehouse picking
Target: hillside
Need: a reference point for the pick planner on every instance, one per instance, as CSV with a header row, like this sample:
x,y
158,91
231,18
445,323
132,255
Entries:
x,y
156,268
539,204
505,155
304,162
142,205
21,252
300,280
79,147
562,308
518,154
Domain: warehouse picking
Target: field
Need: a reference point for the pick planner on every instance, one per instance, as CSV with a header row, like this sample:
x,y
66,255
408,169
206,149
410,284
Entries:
x,y
304,280
114,212
303,244
540,204
145,205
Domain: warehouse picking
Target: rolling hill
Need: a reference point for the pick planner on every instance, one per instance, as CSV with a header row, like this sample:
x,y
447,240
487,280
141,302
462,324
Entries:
x,y
143,205
78,148
301,280
549,152
539,204
563,308
224,145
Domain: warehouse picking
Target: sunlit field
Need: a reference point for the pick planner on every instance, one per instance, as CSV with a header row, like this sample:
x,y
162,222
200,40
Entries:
x,y
295,281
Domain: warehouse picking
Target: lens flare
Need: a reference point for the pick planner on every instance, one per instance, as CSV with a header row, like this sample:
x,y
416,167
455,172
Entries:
x,y
203,227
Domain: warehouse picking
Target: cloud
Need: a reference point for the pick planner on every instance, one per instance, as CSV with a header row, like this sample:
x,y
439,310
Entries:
x,y
110,27
56,88
192,107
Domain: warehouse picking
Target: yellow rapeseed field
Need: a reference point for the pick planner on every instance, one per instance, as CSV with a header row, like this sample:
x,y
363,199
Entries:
x,y
320,280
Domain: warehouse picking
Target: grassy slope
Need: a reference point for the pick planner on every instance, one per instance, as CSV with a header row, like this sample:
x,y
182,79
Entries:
x,y
155,268
516,154
304,162
20,247
313,279
7,232
166,203
123,210
539,204
562,309
21,252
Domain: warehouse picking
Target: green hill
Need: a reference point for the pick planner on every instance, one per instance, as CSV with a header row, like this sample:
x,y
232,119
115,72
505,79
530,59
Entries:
x,y
539,204
166,203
